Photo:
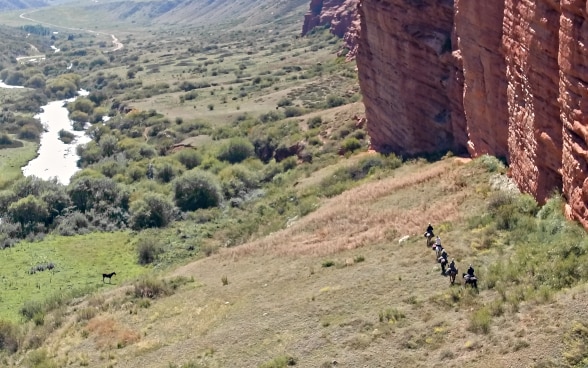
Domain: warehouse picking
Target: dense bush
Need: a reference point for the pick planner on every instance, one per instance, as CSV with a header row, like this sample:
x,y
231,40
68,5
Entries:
x,y
236,150
28,212
197,189
148,249
314,122
72,224
153,210
189,158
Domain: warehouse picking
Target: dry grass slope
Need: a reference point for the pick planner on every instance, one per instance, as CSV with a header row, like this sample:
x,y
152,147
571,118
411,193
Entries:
x,y
337,286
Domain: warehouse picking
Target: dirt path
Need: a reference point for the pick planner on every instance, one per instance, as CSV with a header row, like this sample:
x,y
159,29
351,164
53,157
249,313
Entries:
x,y
117,44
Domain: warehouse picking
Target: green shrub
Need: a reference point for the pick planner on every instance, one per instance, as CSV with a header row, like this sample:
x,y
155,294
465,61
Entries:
x,y
576,345
236,150
30,309
237,180
40,359
284,101
292,111
328,263
349,145
153,210
5,140
65,136
480,321
196,189
334,101
282,361
391,315
148,250
189,158
315,122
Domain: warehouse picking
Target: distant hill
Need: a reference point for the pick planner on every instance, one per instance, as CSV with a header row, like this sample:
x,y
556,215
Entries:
x,y
246,12
6,5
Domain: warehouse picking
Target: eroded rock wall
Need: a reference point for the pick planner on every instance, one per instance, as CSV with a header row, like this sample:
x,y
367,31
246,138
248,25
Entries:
x,y
507,78
573,96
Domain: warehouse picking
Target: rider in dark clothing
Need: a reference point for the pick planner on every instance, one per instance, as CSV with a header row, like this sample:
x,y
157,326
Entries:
x,y
443,261
471,271
430,230
452,266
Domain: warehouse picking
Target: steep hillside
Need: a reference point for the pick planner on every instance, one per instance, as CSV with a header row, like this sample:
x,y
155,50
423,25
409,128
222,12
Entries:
x,y
350,285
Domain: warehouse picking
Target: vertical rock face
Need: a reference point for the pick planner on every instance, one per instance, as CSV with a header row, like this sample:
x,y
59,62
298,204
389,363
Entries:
x,y
531,44
342,17
573,97
507,78
407,72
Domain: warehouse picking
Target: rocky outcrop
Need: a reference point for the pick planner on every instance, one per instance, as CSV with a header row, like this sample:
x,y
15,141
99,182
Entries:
x,y
507,78
340,15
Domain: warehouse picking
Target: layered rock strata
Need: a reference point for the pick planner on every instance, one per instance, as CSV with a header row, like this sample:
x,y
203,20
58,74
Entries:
x,y
507,78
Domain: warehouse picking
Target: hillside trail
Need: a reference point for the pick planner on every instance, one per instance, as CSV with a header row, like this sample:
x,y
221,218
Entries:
x,y
117,45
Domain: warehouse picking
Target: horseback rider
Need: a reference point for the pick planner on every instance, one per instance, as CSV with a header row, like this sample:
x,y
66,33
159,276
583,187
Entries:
x,y
438,241
470,272
443,260
451,266
429,230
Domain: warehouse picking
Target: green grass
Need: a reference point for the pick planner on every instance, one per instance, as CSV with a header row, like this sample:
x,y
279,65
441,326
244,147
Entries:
x,y
79,262
12,160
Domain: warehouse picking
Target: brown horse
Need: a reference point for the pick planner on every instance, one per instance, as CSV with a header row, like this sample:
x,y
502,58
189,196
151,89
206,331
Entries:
x,y
108,276
429,237
452,274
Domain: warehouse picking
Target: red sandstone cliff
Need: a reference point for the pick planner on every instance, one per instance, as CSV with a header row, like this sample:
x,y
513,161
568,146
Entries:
x,y
507,78
342,17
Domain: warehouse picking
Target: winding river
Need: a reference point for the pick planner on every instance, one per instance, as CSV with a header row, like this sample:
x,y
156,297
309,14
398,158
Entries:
x,y
56,159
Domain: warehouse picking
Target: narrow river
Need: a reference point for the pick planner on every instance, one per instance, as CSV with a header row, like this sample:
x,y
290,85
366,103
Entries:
x,y
56,159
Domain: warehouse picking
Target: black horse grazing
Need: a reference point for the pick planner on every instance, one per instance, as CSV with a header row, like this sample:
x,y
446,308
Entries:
x,y
108,276
452,274
470,280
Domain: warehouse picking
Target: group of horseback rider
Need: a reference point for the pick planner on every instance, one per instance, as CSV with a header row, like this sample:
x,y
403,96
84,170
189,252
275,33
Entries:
x,y
447,268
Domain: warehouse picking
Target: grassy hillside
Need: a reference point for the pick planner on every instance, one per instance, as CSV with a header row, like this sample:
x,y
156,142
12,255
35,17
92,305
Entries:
x,y
353,284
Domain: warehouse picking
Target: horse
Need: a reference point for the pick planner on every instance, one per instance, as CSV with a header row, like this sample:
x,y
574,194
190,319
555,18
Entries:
x,y
108,276
443,263
429,237
470,280
438,250
452,274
